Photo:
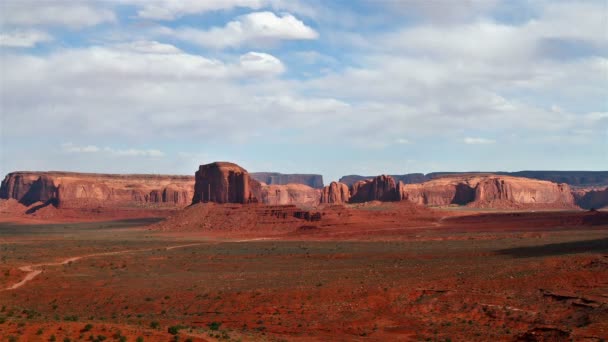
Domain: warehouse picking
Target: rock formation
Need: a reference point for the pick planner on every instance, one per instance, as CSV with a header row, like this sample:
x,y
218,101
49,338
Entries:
x,y
489,191
274,178
336,193
77,190
290,194
575,178
224,182
591,198
382,188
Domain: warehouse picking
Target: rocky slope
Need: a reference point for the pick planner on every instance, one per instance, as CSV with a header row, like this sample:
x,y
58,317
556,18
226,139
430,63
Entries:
x,y
275,178
77,190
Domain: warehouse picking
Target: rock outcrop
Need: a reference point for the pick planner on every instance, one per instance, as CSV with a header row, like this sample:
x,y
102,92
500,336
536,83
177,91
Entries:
x,y
591,198
290,194
78,190
275,178
335,193
489,191
382,188
224,182
574,178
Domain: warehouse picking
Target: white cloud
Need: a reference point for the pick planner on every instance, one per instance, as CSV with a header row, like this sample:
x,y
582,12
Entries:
x,y
402,141
250,29
69,147
67,13
478,141
262,63
143,46
131,152
24,39
169,9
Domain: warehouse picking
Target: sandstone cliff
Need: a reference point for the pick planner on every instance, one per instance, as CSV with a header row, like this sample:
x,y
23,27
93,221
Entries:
x,y
275,178
290,194
224,182
336,193
381,188
76,190
489,191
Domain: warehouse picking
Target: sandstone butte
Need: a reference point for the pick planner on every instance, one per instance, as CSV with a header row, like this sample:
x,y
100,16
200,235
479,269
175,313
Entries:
x,y
224,182
80,190
480,191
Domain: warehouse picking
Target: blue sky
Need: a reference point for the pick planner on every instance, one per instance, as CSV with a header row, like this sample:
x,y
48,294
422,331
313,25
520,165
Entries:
x,y
330,87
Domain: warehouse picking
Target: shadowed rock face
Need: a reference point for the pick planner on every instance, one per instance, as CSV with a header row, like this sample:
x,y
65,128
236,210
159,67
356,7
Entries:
x,y
591,198
275,178
336,193
77,190
382,188
224,182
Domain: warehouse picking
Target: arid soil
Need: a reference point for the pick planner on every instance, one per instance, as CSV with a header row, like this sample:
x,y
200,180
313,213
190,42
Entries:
x,y
367,272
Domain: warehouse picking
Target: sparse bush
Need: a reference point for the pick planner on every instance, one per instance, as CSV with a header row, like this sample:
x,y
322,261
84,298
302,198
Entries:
x,y
139,339
66,339
87,327
52,338
39,332
154,325
174,330
214,325
2,319
71,318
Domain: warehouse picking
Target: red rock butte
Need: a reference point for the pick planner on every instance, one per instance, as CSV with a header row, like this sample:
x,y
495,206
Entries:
x,y
224,182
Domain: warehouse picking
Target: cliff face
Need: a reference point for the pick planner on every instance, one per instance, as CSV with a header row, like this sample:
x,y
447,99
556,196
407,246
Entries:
x,y
70,189
575,178
295,194
591,198
275,178
336,193
489,191
381,188
223,182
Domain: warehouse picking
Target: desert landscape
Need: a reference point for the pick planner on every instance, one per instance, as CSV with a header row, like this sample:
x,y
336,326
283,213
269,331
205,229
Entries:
x,y
460,257
303,170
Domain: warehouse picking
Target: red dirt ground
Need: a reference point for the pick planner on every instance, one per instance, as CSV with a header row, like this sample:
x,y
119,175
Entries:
x,y
371,272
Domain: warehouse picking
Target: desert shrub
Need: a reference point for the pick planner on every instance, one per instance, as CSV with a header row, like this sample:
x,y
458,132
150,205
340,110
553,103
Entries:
x,y
71,318
214,325
139,339
174,329
39,332
2,319
87,327
154,325
12,339
52,338
66,339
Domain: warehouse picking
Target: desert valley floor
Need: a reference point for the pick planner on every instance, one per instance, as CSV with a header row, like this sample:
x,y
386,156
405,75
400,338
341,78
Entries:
x,y
376,274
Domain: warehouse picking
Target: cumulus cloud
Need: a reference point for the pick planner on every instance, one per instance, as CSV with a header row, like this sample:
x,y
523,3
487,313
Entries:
x,y
478,141
24,38
249,29
261,63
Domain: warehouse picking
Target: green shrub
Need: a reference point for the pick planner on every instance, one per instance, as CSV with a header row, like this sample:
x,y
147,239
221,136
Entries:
x,y
87,327
214,326
139,339
154,325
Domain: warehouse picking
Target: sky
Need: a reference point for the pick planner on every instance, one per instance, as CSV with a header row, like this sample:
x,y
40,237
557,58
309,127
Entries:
x,y
331,87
